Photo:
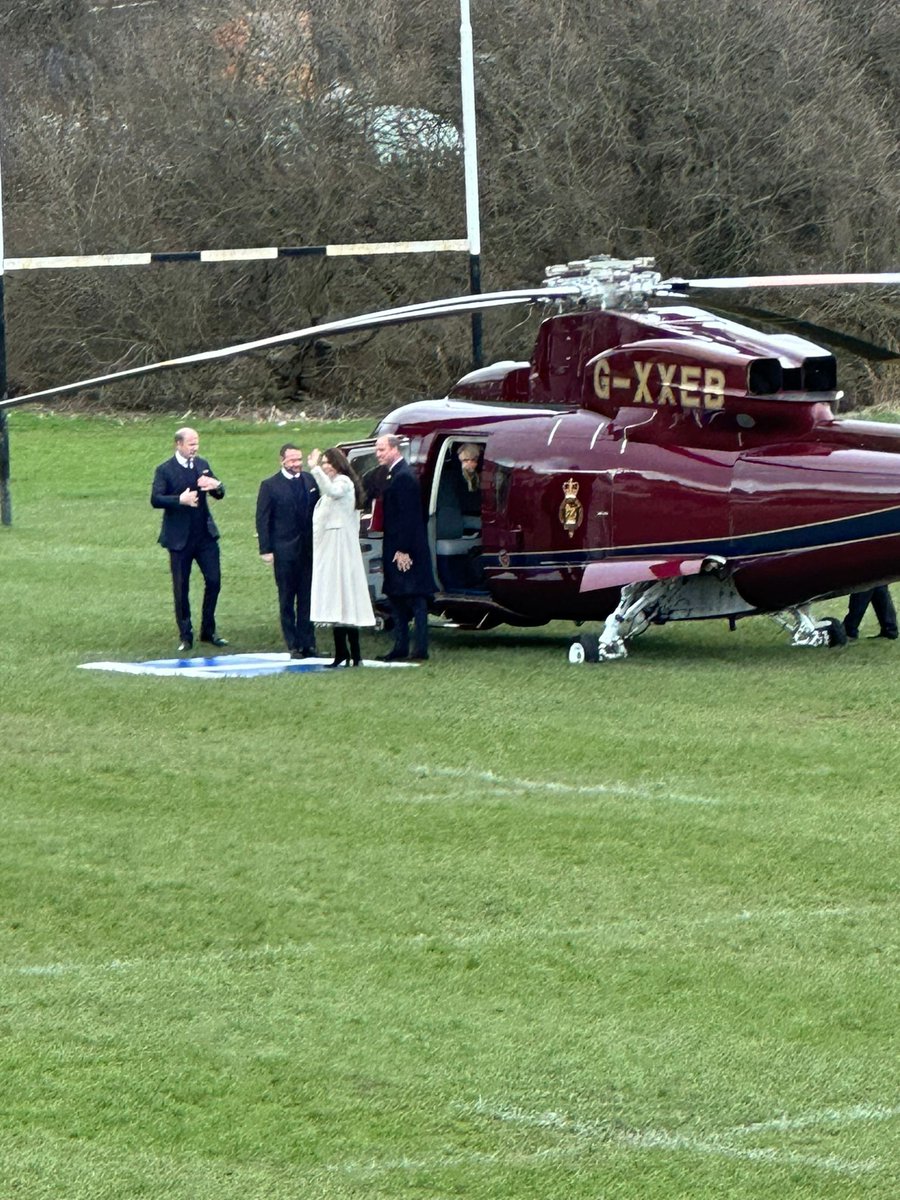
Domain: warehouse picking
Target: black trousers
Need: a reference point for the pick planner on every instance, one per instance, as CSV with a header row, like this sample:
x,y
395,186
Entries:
x,y
882,604
205,553
405,609
293,578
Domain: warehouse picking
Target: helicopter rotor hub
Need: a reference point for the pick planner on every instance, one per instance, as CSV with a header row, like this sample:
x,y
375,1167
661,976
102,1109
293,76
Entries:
x,y
605,282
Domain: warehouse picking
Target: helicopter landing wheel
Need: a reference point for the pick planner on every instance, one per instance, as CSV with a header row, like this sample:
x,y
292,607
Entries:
x,y
584,649
834,627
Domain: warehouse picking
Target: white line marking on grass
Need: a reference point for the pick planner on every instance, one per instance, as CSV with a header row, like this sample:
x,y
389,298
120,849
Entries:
x,y
829,1116
115,964
791,914
48,969
447,1161
660,1139
552,787
296,950
293,951
676,924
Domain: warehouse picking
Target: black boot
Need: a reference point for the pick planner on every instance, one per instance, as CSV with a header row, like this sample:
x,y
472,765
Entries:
x,y
353,639
341,657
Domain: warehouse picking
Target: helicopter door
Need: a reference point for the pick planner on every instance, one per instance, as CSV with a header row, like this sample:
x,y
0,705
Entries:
x,y
547,514
365,464
454,516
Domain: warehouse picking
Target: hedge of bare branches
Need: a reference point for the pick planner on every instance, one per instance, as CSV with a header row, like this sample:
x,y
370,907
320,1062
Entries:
x,y
723,138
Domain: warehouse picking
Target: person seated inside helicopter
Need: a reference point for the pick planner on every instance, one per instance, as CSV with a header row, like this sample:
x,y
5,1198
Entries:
x,y
458,521
469,457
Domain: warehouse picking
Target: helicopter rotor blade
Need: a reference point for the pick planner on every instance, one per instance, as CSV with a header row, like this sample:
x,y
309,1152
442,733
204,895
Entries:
x,y
819,333
767,281
426,311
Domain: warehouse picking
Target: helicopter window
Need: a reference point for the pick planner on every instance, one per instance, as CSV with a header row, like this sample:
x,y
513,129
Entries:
x,y
448,514
502,480
365,464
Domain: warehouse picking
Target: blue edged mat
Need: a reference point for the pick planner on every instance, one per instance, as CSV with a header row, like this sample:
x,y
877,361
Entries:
x,y
230,666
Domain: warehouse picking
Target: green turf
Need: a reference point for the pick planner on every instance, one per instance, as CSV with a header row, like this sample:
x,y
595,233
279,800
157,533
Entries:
x,y
498,927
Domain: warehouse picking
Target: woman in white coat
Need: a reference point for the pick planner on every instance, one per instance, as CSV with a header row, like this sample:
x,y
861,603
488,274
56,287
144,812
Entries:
x,y
340,593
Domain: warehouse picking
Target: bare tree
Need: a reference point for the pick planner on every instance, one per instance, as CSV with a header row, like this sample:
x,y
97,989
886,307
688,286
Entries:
x,y
741,136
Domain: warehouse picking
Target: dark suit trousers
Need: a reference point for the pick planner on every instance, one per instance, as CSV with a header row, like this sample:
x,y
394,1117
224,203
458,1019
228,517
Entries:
x,y
205,552
293,577
404,610
882,604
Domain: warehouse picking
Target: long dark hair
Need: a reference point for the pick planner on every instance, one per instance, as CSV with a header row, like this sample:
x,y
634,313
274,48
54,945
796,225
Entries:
x,y
341,463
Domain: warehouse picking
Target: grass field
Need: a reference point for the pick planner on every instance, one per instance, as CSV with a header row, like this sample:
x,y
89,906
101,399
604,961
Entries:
x,y
497,927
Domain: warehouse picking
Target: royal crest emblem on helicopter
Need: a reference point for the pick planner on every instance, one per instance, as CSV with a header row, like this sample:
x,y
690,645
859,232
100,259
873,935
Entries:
x,y
571,511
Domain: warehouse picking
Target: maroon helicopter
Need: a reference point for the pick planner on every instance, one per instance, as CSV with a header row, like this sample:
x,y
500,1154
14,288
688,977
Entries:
x,y
647,464
650,465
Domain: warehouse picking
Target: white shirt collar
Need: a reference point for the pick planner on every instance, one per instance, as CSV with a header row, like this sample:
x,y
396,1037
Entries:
x,y
185,462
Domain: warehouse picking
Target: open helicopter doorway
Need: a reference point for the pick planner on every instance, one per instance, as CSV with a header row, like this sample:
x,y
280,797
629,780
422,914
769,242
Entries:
x,y
362,458
454,517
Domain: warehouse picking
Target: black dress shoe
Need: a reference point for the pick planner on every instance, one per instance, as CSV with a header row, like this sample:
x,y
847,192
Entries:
x,y
215,640
418,658
309,652
185,644
392,656
892,637
295,653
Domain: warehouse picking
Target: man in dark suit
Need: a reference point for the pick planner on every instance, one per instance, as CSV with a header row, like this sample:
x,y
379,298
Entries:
x,y
406,559
284,511
182,486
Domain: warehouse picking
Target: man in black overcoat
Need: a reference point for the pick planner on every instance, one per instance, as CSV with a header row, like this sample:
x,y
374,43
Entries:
x,y
284,512
182,487
408,578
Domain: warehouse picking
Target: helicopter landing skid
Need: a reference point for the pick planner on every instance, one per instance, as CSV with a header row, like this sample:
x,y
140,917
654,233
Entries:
x,y
806,631
631,616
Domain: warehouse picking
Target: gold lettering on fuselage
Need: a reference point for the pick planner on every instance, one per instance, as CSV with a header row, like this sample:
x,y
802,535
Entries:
x,y
666,376
642,373
601,379
690,377
678,384
713,388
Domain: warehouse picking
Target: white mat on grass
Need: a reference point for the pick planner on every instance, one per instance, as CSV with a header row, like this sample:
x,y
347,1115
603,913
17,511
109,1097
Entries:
x,y
229,666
